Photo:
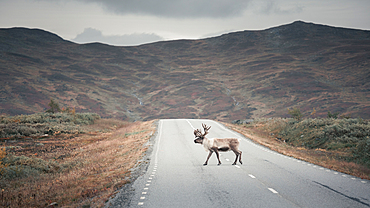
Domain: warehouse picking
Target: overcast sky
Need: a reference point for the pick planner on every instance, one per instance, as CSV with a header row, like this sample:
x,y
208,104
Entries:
x,y
134,22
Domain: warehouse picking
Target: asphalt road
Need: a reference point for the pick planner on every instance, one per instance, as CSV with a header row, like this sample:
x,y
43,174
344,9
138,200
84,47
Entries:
x,y
177,178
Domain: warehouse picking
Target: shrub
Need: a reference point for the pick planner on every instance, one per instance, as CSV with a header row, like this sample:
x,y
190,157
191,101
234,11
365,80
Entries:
x,y
347,135
295,113
45,123
22,166
362,152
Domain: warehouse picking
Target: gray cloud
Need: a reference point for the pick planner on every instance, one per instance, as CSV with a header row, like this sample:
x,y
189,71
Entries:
x,y
273,7
90,35
176,8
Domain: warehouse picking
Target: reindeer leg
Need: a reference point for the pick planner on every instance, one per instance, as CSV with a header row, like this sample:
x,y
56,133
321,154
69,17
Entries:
x,y
209,155
238,154
240,157
218,158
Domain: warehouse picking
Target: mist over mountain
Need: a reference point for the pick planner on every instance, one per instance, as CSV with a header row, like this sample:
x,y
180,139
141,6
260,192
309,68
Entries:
x,y
238,75
91,35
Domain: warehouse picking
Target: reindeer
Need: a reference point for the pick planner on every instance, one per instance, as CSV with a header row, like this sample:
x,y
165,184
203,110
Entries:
x,y
216,145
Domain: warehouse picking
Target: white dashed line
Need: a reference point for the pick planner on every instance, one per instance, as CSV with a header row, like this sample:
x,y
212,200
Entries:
x,y
237,166
334,172
272,190
252,176
154,168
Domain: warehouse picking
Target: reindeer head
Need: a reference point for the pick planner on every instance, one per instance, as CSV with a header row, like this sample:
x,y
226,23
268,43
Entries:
x,y
198,134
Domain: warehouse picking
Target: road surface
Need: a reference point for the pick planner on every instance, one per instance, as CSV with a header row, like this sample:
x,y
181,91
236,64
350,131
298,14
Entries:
x,y
177,178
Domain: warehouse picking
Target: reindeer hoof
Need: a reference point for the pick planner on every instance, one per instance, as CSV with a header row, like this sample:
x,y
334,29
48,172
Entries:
x,y
204,164
234,163
219,164
241,162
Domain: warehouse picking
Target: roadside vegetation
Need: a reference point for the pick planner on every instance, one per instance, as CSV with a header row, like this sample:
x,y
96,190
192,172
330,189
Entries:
x,y
41,124
67,159
339,143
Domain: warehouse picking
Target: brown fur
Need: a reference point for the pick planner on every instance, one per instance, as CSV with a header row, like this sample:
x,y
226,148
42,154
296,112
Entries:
x,y
216,145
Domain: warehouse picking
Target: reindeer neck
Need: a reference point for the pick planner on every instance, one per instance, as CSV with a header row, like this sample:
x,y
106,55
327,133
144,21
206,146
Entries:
x,y
205,139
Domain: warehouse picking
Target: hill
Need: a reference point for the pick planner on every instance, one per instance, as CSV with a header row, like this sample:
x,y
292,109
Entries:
x,y
238,75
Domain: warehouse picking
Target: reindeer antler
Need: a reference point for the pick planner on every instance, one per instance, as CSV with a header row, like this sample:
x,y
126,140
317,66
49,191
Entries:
x,y
206,129
198,133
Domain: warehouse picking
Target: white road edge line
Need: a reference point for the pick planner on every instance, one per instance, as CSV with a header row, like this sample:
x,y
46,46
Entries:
x,y
190,124
159,139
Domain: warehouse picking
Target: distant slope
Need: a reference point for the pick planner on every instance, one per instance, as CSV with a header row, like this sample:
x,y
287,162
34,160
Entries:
x,y
233,76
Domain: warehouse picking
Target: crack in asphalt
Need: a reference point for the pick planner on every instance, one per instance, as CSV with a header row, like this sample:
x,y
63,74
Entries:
x,y
340,193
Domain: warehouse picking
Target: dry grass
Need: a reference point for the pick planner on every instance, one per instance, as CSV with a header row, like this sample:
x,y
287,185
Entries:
x,y
97,165
324,158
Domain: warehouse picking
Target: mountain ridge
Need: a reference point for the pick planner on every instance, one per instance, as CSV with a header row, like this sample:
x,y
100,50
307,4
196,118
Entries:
x,y
237,75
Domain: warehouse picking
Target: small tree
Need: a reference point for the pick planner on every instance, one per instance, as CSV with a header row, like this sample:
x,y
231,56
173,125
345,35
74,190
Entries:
x,y
54,107
313,112
332,115
2,156
69,110
295,113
